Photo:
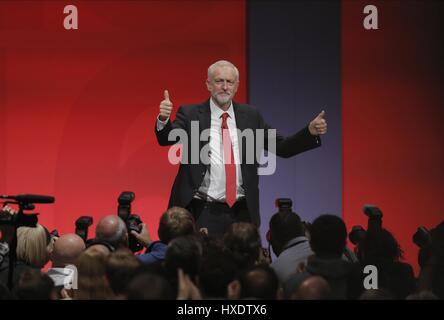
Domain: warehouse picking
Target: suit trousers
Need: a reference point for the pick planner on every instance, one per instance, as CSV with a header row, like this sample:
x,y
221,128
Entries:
x,y
218,216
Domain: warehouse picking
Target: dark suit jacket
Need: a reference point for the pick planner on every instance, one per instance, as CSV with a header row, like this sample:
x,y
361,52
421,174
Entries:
x,y
190,176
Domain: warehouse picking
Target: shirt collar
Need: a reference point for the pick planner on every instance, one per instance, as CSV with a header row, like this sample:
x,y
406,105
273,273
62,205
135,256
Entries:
x,y
215,110
296,240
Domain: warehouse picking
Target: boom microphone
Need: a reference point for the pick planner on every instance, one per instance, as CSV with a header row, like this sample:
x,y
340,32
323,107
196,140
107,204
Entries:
x,y
30,198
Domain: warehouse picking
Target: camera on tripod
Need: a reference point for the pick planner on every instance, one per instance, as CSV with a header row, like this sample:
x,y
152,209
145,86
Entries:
x,y
132,221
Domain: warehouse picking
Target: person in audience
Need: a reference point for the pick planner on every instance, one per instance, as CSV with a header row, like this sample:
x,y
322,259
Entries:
x,y
431,261
257,282
183,253
34,246
380,249
423,295
147,286
92,281
327,240
101,246
376,294
112,230
35,285
287,238
175,222
218,270
243,241
121,267
312,288
66,251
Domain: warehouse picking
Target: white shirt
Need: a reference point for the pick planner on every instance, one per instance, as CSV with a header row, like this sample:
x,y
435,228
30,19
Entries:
x,y
213,184
61,276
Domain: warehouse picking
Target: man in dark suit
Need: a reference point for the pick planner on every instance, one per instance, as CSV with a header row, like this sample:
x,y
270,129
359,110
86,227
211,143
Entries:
x,y
221,187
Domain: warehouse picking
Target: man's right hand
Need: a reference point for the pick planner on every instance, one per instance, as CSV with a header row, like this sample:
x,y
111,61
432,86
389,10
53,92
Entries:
x,y
143,237
166,106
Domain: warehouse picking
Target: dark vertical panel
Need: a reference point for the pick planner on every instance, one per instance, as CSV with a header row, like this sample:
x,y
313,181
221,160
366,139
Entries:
x,y
294,73
3,131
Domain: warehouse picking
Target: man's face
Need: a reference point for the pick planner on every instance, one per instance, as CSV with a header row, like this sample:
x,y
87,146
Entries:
x,y
223,85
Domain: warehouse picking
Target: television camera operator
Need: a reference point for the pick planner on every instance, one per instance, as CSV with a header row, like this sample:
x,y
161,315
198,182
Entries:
x,y
34,247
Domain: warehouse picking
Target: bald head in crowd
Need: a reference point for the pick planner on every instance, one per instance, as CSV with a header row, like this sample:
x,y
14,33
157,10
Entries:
x,y
67,249
313,288
112,230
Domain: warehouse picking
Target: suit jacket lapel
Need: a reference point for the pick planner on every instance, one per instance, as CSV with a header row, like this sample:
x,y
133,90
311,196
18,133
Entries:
x,y
239,113
204,116
241,124
204,121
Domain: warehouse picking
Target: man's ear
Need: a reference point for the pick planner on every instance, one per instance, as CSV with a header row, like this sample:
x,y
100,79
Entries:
x,y
208,84
234,290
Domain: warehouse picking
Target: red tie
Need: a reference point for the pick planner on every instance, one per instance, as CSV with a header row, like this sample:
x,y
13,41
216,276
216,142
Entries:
x,y
230,166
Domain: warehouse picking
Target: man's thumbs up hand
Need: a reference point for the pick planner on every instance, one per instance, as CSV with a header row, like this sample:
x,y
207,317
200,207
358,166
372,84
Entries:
x,y
166,106
166,95
318,125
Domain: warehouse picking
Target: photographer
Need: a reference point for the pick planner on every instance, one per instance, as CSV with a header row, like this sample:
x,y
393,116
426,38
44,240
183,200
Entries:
x,y
380,248
175,222
287,238
112,230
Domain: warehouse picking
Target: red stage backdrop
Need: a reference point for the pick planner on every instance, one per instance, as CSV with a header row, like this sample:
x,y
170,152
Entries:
x,y
77,108
392,116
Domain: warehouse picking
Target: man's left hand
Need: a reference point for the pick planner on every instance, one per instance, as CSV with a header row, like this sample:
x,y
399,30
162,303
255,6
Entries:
x,y
319,125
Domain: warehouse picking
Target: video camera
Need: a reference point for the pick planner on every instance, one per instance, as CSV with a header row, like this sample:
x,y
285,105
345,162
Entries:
x,y
25,202
19,219
132,221
374,215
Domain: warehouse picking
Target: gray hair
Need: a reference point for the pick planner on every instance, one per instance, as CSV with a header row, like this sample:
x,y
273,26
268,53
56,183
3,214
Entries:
x,y
220,64
116,238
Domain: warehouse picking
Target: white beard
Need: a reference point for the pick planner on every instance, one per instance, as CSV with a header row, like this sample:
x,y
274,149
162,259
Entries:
x,y
222,99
